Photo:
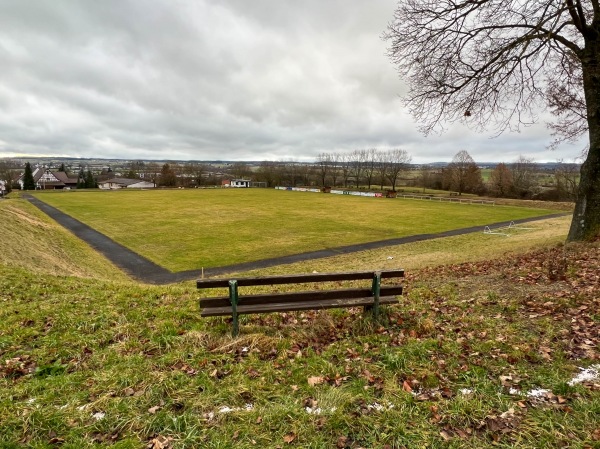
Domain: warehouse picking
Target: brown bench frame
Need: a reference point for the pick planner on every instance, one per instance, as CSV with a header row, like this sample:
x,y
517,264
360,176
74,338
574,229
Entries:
x,y
234,304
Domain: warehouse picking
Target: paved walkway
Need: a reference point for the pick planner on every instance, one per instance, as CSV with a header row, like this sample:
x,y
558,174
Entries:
x,y
147,271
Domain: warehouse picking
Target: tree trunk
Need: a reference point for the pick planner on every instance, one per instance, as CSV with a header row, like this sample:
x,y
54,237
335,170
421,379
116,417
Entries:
x,y
586,217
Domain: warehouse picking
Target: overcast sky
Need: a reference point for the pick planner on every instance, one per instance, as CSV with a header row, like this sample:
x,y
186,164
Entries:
x,y
201,79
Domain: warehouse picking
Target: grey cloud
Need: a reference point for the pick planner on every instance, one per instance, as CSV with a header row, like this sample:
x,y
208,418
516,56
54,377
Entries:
x,y
214,80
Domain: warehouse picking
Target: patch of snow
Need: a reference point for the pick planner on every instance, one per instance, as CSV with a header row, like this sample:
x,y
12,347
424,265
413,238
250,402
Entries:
x,y
318,410
514,391
30,400
591,373
226,409
465,391
378,407
536,393
98,416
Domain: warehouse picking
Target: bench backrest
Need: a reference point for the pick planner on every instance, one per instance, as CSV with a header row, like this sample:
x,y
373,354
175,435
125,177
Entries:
x,y
298,278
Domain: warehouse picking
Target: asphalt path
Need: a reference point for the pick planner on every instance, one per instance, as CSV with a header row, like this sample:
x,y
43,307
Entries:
x,y
145,270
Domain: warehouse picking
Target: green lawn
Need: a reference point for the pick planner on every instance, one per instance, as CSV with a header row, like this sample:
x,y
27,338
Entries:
x,y
109,363
190,229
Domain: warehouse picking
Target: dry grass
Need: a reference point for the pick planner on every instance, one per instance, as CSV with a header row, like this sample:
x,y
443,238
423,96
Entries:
x,y
431,253
87,363
33,241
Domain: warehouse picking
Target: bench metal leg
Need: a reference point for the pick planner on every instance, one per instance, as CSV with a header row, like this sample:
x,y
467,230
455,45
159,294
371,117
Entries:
x,y
233,299
376,292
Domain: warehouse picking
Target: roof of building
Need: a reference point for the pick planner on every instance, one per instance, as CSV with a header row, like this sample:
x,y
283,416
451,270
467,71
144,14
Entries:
x,y
63,177
122,181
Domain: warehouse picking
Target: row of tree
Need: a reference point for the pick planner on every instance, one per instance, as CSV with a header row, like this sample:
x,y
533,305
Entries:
x,y
371,166
361,169
522,179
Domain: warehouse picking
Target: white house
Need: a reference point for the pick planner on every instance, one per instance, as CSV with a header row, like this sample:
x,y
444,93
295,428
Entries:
x,y
239,183
124,183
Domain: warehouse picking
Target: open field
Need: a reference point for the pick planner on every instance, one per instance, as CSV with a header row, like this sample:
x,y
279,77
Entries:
x,y
189,229
485,353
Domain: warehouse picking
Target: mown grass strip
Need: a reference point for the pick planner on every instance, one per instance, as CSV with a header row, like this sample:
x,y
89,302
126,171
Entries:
x,y
190,229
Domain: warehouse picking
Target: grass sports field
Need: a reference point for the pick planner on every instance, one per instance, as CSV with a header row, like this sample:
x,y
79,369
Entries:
x,y
189,229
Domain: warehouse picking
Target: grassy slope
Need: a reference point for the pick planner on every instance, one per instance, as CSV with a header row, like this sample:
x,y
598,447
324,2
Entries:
x,y
98,363
189,229
32,240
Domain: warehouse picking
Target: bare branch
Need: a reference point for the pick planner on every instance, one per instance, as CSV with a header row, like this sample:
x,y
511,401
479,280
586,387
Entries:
x,y
481,62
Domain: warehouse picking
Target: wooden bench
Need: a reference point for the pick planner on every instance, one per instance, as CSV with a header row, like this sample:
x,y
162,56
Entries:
x,y
234,304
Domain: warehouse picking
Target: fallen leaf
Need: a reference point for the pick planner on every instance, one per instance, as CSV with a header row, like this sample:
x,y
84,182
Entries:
x,y
342,442
288,438
315,380
445,435
160,442
129,391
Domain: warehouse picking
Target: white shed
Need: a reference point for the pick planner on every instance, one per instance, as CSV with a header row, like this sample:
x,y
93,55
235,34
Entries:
x,y
240,183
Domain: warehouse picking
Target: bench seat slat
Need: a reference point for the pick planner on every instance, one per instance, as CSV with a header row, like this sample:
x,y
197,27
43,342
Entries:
x,y
298,278
307,296
299,305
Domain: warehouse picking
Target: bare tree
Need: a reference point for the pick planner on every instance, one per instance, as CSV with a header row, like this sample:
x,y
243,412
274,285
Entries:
x,y
382,167
292,173
270,173
335,168
152,172
524,177
397,162
567,103
358,165
501,181
345,167
196,171
425,176
167,177
371,157
306,173
324,166
462,174
241,170
6,173
492,62
566,176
